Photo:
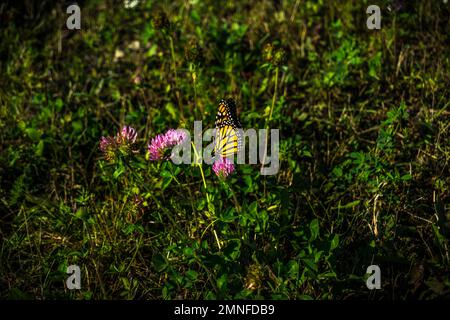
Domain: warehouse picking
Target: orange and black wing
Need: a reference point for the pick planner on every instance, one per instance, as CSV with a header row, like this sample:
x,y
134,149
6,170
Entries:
x,y
228,136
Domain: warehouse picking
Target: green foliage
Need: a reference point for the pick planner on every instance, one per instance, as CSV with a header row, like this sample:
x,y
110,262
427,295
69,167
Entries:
x,y
364,151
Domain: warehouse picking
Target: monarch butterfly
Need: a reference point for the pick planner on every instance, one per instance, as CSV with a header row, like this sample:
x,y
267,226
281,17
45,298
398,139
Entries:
x,y
228,136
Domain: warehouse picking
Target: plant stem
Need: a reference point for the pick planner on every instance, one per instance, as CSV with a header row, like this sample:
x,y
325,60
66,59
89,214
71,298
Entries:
x,y
174,67
208,200
194,81
172,52
195,90
201,170
274,97
274,94
236,203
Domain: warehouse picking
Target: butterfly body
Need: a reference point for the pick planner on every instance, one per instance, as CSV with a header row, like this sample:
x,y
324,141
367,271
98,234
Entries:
x,y
228,130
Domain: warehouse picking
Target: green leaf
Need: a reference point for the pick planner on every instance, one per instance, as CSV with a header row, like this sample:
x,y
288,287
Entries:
x,y
350,205
166,182
160,262
253,208
211,208
263,87
232,250
33,134
188,252
406,177
314,229
222,281
166,174
310,264
81,213
292,269
172,111
59,104
335,242
192,275
152,51
77,126
39,149
118,172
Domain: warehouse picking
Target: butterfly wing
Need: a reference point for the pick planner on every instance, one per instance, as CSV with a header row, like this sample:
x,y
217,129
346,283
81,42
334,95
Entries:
x,y
228,136
227,115
227,141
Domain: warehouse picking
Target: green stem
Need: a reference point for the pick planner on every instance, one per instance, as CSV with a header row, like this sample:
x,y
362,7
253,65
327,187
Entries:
x,y
172,52
195,91
274,93
207,197
270,117
201,170
236,203
174,67
194,81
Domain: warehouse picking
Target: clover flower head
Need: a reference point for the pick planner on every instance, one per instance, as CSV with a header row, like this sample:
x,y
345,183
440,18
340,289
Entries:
x,y
175,137
127,135
193,52
223,167
122,143
160,20
156,147
274,54
160,146
268,52
108,147
279,57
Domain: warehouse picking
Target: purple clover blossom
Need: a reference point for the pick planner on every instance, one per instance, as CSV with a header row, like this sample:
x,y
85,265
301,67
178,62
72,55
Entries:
x,y
105,143
175,136
122,143
108,146
160,145
156,147
222,167
127,135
